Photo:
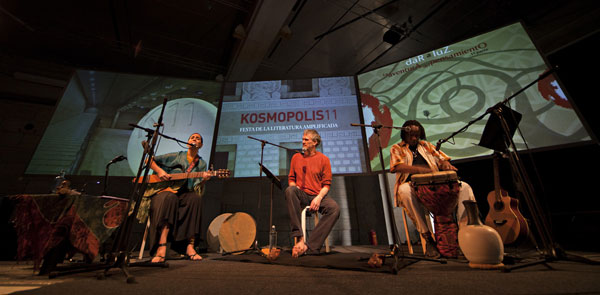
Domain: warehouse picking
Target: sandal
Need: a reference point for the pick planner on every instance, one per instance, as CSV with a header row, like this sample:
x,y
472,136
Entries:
x,y
161,258
192,257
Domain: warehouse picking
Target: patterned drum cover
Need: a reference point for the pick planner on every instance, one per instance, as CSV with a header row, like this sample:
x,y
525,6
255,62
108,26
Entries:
x,y
441,199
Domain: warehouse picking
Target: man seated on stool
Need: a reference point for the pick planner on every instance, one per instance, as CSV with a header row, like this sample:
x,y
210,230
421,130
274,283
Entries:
x,y
309,181
414,155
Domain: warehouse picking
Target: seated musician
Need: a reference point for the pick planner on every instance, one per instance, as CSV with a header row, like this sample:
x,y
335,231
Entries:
x,y
309,181
175,213
414,155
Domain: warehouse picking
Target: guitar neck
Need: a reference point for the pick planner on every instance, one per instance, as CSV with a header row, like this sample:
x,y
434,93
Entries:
x,y
497,178
179,176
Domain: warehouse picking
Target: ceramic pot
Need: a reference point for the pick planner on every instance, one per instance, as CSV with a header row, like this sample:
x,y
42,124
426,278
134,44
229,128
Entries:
x,y
480,244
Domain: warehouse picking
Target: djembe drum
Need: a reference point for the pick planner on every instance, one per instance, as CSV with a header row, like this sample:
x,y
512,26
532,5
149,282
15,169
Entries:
x,y
438,192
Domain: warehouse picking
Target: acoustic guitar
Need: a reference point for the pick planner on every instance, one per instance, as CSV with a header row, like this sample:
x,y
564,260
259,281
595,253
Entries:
x,y
156,185
504,215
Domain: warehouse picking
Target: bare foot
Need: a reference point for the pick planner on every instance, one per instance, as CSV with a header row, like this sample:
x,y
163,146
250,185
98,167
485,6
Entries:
x,y
299,249
192,254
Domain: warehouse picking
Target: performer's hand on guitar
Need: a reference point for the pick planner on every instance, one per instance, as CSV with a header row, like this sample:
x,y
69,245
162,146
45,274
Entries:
x,y
163,175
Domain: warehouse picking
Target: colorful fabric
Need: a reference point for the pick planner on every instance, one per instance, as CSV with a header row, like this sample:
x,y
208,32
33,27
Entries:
x,y
42,222
310,173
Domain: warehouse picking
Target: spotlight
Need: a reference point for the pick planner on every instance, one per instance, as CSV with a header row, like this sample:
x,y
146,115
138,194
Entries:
x,y
393,35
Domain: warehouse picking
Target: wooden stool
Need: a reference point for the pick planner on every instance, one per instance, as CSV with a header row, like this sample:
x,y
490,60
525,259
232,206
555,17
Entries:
x,y
408,243
303,220
141,255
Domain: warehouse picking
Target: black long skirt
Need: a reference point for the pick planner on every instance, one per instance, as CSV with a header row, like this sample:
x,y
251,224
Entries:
x,y
181,213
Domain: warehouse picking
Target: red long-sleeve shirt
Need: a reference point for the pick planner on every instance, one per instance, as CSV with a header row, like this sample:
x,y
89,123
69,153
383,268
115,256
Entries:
x,y
310,173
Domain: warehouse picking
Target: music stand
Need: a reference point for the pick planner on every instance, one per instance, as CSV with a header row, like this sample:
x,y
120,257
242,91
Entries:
x,y
274,182
270,175
490,138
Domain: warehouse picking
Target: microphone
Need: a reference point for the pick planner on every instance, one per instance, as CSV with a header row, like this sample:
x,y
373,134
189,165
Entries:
x,y
117,159
438,145
407,128
303,151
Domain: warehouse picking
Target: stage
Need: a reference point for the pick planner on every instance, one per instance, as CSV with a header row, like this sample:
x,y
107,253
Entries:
x,y
214,275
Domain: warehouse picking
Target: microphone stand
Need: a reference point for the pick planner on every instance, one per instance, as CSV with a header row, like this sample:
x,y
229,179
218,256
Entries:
x,y
157,133
119,257
119,158
262,150
269,174
396,251
106,178
492,109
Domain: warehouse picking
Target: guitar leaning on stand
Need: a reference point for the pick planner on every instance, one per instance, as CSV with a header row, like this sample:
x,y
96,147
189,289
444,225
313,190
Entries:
x,y
504,215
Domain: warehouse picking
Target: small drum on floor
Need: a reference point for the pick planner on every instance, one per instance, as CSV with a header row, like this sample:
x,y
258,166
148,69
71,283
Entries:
x,y
237,233
438,192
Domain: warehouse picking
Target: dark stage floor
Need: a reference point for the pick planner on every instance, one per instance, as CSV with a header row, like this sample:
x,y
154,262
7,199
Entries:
x,y
214,275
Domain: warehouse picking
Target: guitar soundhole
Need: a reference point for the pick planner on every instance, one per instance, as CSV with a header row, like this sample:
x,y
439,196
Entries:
x,y
498,206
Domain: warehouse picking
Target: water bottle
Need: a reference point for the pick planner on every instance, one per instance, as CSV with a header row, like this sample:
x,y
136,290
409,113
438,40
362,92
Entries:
x,y
272,238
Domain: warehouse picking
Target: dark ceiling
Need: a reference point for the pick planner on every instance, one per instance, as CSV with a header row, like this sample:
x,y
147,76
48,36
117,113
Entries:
x,y
240,40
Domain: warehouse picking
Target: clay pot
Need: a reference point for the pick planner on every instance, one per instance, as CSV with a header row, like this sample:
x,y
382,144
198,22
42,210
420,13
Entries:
x,y
480,244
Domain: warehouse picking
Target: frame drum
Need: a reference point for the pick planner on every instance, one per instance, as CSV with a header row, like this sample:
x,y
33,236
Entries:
x,y
212,235
237,233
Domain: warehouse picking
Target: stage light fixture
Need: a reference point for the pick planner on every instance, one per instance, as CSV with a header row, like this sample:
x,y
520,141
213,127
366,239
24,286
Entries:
x,y
393,35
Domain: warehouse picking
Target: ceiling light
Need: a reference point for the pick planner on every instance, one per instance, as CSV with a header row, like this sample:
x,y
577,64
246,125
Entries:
x,y
239,32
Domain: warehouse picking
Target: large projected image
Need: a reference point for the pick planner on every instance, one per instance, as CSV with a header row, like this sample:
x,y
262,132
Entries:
x,y
278,112
448,87
91,124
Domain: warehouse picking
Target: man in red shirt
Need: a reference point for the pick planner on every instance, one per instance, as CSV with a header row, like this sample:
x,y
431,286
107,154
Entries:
x,y
309,182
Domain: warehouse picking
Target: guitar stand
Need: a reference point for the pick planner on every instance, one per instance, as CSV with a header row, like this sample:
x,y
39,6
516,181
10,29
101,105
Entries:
x,y
551,250
396,252
502,141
